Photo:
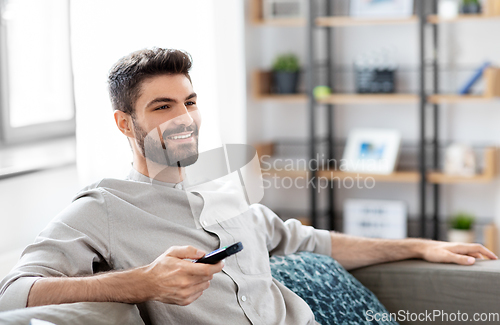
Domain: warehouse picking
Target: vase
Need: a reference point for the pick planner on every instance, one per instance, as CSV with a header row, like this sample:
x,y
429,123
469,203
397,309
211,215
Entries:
x,y
471,8
461,236
285,82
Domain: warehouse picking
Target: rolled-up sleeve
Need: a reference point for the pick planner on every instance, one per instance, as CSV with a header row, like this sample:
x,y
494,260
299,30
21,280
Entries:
x,y
75,243
287,237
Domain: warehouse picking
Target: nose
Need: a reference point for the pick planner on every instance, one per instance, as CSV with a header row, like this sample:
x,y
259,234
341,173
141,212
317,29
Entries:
x,y
183,117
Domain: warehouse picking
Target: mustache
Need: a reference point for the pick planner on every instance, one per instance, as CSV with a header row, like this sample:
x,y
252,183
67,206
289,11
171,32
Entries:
x,y
191,128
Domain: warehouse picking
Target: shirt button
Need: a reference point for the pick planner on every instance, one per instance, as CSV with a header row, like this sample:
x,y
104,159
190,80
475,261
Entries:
x,y
243,298
204,223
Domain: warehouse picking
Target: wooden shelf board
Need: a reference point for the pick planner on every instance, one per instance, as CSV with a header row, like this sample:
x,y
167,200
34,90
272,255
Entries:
x,y
355,21
370,99
455,98
435,19
283,22
442,178
433,177
398,176
299,98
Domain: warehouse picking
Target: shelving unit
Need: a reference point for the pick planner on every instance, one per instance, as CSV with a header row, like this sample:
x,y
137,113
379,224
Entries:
x,y
427,176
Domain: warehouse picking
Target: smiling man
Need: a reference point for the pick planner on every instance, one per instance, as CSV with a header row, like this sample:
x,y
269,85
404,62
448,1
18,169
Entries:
x,y
128,240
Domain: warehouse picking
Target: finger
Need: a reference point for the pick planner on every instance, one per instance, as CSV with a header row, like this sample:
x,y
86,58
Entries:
x,y
474,248
476,255
200,269
191,299
486,252
459,259
193,292
183,252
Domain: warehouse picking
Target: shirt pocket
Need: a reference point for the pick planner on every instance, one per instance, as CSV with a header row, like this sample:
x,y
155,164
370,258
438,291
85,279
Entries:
x,y
254,258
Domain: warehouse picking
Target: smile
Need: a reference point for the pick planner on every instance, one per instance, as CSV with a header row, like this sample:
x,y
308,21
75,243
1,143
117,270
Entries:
x,y
181,136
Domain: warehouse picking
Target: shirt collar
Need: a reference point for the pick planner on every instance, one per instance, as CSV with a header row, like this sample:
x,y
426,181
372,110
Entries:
x,y
134,175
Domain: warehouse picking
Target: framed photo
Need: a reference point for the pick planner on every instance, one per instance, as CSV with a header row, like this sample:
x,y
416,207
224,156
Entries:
x,y
274,9
381,8
373,151
375,218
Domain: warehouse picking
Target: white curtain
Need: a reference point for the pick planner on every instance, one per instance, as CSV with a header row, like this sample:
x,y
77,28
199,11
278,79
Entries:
x,y
103,31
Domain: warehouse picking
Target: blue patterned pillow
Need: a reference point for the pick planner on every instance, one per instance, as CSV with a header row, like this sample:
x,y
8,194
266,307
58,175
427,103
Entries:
x,y
333,294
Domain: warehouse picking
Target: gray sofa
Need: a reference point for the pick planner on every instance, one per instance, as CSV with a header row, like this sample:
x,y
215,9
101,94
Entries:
x,y
410,286
417,286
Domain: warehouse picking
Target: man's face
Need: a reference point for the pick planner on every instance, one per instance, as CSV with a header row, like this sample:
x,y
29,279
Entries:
x,y
167,120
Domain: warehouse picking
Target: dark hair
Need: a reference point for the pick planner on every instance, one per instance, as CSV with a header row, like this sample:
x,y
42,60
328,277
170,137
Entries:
x,y
126,75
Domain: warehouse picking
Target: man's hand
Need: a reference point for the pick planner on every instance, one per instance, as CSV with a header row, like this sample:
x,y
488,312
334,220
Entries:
x,y
176,281
353,252
169,279
444,252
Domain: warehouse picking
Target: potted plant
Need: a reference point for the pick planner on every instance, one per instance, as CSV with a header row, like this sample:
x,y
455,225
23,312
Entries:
x,y
286,73
461,228
471,7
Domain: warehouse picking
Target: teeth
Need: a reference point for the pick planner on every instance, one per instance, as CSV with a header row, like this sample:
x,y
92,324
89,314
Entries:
x,y
181,136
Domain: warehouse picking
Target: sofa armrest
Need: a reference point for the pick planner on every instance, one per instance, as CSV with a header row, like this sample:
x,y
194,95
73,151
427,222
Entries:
x,y
81,313
417,286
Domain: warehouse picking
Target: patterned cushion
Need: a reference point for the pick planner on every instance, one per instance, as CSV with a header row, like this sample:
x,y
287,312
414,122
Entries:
x,y
333,294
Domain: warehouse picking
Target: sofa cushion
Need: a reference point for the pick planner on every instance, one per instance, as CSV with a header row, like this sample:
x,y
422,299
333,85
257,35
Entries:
x,y
333,294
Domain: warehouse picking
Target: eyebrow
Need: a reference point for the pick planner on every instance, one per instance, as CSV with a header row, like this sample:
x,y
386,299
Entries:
x,y
168,100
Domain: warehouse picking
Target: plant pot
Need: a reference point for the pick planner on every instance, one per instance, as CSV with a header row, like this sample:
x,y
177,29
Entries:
x,y
285,82
471,8
461,236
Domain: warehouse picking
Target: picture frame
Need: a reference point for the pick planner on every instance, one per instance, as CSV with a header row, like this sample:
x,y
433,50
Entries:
x,y
376,218
382,9
373,151
276,9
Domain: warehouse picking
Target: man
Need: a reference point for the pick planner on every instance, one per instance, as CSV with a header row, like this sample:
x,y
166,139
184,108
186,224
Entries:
x,y
128,240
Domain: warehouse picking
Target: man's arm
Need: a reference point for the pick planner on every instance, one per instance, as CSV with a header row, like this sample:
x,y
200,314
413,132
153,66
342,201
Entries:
x,y
169,279
353,252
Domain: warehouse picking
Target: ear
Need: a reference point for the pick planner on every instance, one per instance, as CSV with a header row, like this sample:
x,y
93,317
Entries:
x,y
124,123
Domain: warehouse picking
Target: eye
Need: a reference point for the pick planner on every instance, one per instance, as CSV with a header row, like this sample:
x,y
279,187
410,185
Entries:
x,y
190,103
162,107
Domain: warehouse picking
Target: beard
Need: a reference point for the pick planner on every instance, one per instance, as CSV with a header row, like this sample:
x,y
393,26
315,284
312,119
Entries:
x,y
163,153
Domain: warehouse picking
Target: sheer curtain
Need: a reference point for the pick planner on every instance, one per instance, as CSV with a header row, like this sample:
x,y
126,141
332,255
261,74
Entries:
x,y
103,31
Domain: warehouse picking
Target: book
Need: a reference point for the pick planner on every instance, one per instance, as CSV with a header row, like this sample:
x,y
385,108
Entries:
x,y
466,88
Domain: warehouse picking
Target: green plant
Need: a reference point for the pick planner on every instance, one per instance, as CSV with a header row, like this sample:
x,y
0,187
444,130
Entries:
x,y
471,2
286,63
462,221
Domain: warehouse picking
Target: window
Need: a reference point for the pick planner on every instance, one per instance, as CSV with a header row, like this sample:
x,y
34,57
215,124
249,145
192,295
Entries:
x,y
37,98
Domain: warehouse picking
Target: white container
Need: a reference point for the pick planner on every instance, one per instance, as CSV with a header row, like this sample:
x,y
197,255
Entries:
x,y
461,236
448,9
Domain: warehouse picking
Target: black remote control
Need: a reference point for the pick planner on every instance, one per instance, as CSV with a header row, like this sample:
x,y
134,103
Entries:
x,y
220,254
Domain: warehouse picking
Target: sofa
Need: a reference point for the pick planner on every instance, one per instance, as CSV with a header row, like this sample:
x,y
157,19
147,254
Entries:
x,y
413,288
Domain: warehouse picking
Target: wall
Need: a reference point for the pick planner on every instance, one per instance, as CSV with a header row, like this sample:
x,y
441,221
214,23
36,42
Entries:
x,y
27,204
463,47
